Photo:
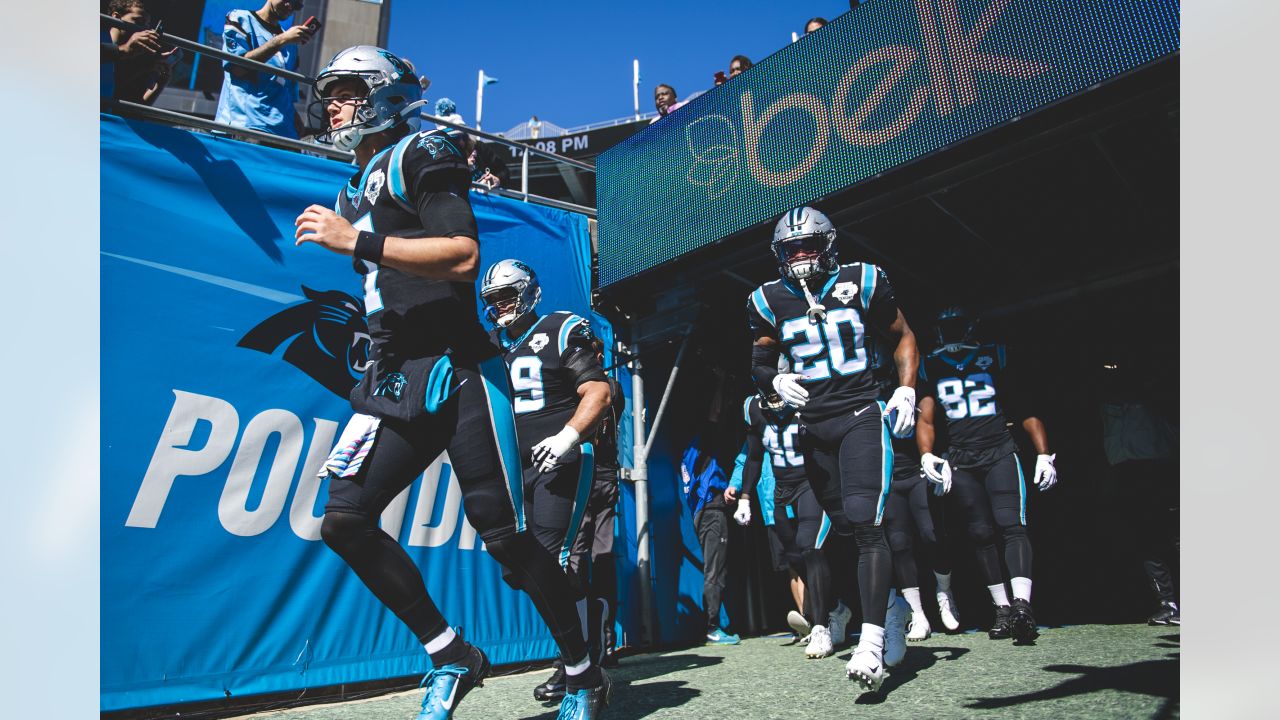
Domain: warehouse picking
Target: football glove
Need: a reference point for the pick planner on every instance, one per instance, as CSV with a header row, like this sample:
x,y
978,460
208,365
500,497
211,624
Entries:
x,y
1046,474
903,402
938,471
548,452
743,514
788,387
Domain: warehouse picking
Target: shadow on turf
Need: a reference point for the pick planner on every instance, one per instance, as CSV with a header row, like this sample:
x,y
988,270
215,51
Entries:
x,y
648,666
1157,678
627,703
917,659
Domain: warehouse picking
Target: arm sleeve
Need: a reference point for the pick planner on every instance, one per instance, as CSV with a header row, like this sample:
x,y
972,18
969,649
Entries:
x,y
578,356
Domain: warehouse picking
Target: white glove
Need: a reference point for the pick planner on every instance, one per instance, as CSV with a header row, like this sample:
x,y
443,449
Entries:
x,y
1046,473
788,387
743,515
548,452
938,471
903,401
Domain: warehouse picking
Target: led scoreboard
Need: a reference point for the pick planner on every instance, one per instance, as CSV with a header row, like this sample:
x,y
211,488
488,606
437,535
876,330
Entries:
x,y
886,83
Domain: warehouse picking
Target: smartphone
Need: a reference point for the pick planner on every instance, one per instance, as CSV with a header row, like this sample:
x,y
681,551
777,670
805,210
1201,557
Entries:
x,y
312,24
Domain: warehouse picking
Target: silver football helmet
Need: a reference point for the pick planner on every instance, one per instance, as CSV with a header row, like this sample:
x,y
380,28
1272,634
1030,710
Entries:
x,y
509,290
804,244
392,92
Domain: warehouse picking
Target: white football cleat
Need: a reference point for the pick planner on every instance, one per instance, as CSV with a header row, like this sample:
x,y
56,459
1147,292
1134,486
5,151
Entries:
x,y
819,643
948,610
895,631
799,625
919,628
838,624
866,667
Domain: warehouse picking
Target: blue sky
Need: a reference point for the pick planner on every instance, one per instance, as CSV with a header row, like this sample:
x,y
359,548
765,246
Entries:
x,y
570,62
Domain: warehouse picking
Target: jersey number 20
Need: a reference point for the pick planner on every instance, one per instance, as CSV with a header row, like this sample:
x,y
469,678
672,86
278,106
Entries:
x,y
822,349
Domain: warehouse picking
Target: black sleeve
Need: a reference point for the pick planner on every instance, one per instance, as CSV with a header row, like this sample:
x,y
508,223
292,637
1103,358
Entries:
x,y
447,214
751,468
764,367
884,305
438,181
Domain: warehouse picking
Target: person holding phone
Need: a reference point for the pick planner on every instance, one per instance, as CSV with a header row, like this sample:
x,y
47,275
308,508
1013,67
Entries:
x,y
137,61
257,100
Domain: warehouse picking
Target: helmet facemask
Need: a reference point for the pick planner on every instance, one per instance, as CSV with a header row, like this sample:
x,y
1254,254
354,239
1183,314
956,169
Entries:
x,y
955,330
391,93
805,256
507,303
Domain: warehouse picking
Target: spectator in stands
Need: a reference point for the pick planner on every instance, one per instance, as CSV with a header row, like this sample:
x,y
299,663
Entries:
x,y
738,65
487,166
135,66
816,24
664,100
258,100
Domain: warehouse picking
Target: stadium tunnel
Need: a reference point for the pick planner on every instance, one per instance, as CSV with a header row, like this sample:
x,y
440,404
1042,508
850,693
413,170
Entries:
x,y
1059,228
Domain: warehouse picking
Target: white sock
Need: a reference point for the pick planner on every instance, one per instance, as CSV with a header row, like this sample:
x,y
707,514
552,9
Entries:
x,y
872,637
912,596
1021,588
579,668
441,641
998,595
944,581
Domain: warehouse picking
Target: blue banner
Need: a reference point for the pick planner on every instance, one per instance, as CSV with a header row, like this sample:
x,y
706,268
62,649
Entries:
x,y
887,83
225,350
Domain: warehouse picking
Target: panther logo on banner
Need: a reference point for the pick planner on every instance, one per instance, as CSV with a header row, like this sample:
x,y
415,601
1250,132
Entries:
x,y
327,335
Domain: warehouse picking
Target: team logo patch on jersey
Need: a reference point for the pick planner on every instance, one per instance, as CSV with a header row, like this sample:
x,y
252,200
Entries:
x,y
539,341
376,181
327,336
433,143
392,385
983,362
845,291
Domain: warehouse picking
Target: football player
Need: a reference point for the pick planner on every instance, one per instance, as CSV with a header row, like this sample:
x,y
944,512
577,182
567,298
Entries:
x,y
561,393
972,384
773,426
434,381
594,545
908,519
819,312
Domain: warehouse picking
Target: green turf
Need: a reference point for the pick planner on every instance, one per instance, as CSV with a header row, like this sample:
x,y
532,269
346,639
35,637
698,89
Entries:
x,y
1121,671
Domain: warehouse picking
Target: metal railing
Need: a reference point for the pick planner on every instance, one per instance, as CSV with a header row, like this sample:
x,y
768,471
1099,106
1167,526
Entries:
x,y
132,109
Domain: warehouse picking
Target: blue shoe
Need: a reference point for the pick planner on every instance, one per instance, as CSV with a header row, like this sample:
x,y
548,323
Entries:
x,y
447,685
720,637
586,704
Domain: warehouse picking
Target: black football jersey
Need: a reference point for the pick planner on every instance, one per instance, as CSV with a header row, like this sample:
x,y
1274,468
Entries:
x,y
780,432
831,355
965,386
544,392
416,188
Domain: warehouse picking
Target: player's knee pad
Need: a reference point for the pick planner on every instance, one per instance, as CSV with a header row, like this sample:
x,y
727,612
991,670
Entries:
x,y
840,524
513,550
340,530
869,535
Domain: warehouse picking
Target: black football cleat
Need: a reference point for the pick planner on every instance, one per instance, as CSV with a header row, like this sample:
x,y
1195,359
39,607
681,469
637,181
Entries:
x,y
1001,629
553,689
1023,623
1166,615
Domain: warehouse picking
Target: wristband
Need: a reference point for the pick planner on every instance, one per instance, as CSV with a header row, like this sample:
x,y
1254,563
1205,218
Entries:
x,y
369,246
